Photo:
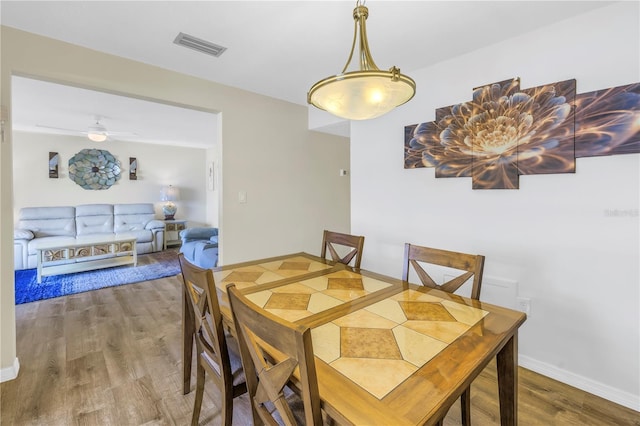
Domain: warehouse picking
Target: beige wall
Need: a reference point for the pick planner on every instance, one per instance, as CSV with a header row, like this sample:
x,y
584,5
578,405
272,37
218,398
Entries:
x,y
289,173
158,165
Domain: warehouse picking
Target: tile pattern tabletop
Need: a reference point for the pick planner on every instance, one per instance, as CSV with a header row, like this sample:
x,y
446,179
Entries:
x,y
252,275
304,298
409,329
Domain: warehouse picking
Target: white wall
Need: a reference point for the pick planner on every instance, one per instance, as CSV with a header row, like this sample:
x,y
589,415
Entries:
x,y
158,165
553,236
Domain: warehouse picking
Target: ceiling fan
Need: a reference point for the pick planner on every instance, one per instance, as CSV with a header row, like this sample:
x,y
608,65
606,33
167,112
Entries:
x,y
95,132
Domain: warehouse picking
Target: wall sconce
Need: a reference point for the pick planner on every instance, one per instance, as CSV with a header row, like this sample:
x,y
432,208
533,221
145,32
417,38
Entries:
x,y
133,168
54,159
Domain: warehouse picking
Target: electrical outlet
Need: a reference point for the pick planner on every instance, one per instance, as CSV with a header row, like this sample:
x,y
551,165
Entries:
x,y
524,305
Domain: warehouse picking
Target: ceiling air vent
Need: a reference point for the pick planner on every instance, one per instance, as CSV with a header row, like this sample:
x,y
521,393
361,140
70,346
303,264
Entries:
x,y
200,45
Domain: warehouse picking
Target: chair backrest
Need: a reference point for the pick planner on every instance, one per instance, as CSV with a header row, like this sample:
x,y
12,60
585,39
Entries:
x,y
200,288
472,264
272,349
331,239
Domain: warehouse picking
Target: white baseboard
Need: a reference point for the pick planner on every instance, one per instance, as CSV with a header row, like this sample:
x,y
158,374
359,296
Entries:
x,y
10,373
607,392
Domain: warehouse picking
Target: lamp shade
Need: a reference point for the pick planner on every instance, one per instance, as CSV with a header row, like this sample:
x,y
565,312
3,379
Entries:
x,y
169,193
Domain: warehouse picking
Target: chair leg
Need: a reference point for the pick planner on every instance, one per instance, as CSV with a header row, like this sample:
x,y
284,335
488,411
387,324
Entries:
x,y
226,411
197,405
465,407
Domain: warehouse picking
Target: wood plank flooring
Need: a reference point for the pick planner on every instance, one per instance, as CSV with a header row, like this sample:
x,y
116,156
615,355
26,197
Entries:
x,y
113,357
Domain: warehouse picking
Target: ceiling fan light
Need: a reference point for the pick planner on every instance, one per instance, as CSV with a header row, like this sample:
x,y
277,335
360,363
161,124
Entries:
x,y
97,133
366,93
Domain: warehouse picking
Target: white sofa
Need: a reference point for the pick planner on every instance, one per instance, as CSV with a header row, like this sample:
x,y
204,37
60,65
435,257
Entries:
x,y
63,224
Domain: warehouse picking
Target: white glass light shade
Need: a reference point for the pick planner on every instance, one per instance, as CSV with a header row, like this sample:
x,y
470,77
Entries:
x,y
362,95
97,133
97,137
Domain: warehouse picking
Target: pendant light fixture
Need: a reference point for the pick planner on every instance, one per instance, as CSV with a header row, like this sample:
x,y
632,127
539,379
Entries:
x,y
366,93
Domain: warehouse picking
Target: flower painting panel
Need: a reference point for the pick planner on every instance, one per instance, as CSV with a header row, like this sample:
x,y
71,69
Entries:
x,y
547,140
608,121
454,155
421,141
492,127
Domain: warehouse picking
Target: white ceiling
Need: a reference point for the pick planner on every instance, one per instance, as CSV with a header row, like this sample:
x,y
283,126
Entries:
x,y
36,104
275,48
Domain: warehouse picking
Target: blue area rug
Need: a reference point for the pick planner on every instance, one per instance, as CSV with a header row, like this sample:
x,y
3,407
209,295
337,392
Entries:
x,y
150,267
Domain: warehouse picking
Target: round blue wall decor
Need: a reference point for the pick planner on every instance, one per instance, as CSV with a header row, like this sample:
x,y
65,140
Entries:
x,y
94,169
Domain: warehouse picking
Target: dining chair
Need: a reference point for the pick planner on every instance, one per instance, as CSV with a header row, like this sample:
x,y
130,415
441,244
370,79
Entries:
x,y
272,350
332,239
471,264
216,353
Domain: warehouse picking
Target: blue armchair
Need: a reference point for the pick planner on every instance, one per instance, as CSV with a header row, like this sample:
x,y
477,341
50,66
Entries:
x,y
200,246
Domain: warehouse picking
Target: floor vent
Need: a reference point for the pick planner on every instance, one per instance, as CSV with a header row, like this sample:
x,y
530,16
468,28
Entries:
x,y
200,45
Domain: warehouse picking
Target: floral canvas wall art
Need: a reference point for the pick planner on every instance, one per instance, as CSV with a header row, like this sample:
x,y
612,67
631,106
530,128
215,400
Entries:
x,y
505,131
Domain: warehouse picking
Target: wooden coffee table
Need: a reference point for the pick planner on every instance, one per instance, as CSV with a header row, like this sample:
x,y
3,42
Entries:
x,y
86,253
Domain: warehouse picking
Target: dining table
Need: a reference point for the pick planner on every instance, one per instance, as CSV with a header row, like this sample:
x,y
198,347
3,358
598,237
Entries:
x,y
387,352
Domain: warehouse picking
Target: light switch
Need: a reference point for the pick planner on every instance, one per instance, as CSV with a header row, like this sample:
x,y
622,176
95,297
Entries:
x,y
343,172
242,197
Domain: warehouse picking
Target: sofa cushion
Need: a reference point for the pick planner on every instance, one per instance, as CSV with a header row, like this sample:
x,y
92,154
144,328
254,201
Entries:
x,y
155,224
132,217
22,234
94,219
48,221
201,253
206,258
198,233
142,235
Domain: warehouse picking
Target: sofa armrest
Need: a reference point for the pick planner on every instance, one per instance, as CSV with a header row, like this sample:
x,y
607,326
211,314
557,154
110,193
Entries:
x,y
155,224
191,234
23,234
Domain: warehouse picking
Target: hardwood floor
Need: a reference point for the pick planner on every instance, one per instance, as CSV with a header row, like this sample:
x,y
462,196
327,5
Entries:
x,y
113,357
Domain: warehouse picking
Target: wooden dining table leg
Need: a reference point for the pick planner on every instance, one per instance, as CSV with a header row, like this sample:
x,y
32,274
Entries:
x,y
188,329
507,360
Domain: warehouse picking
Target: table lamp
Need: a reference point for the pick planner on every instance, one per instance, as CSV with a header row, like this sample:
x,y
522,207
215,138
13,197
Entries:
x,y
169,194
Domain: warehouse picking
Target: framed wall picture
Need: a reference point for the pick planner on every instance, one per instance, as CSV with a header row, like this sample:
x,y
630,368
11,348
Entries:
x,y
54,159
133,168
